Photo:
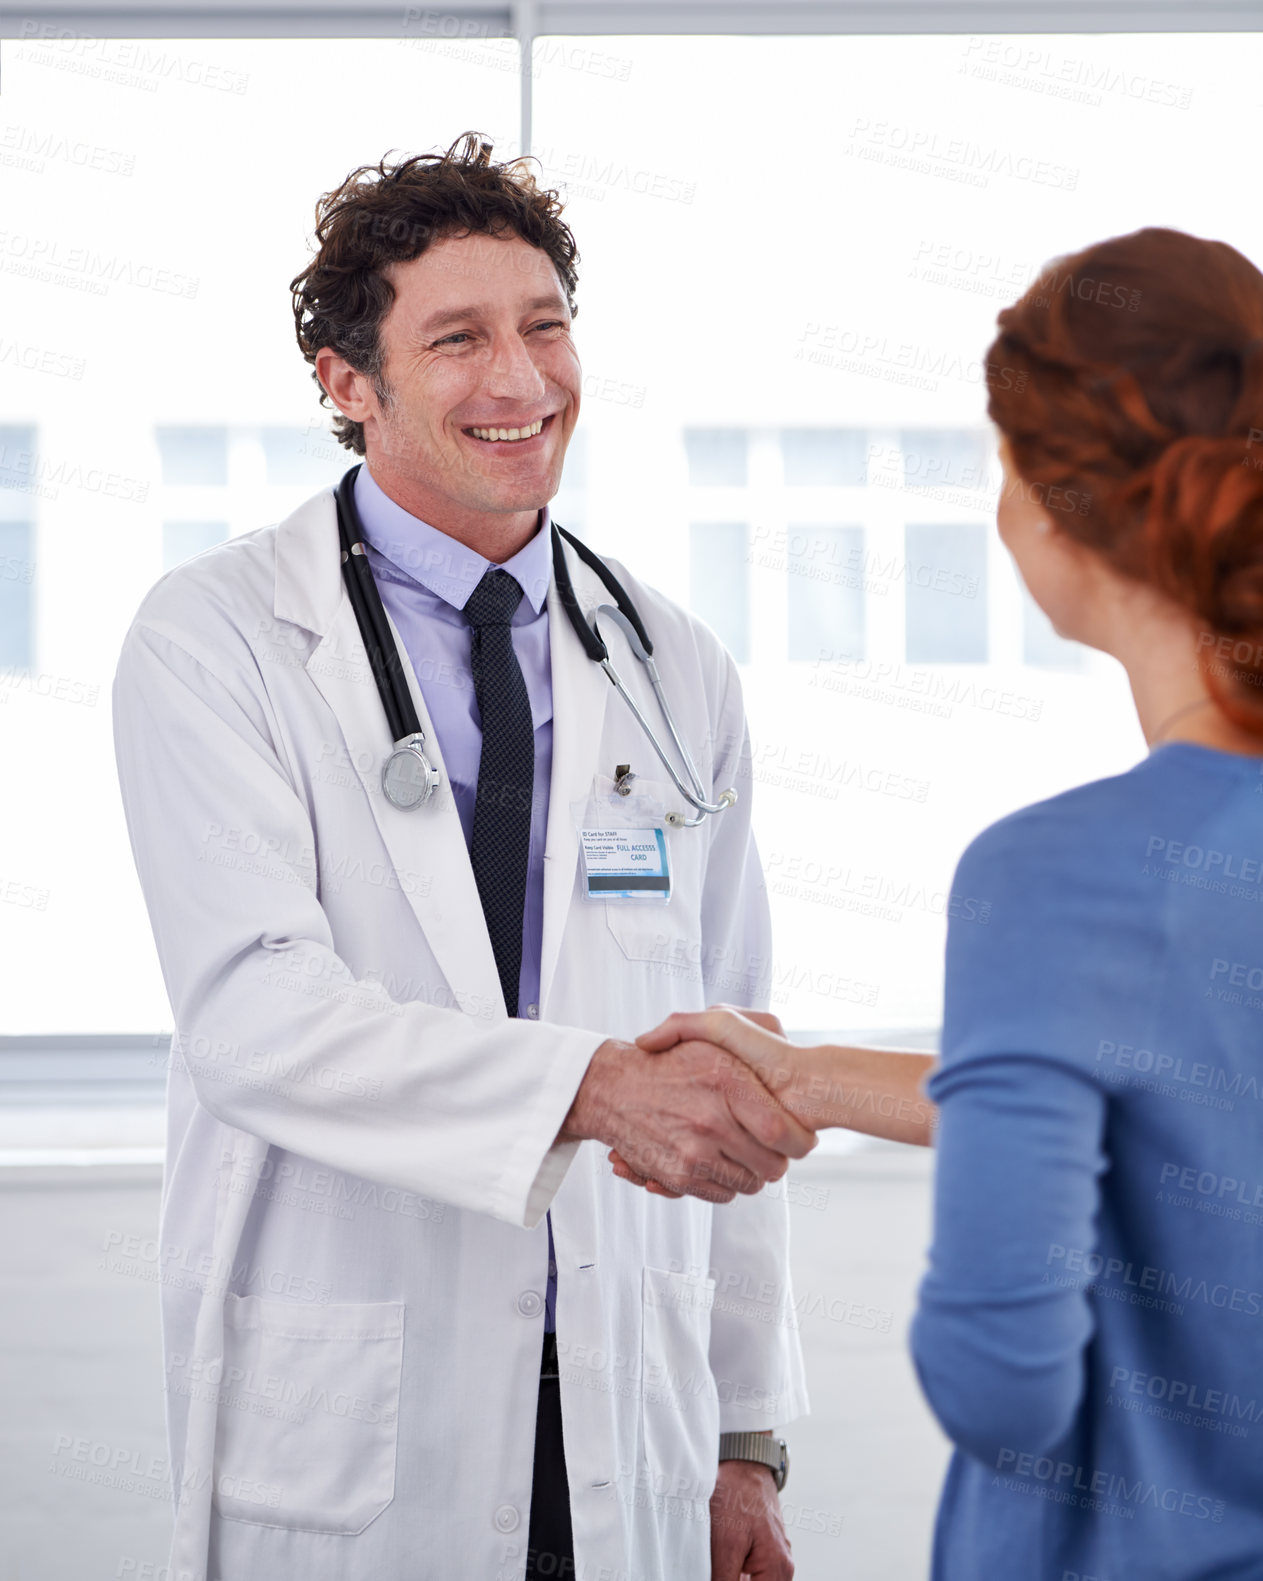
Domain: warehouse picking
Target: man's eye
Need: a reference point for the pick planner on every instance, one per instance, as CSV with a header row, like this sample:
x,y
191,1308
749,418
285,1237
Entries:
x,y
451,340
551,323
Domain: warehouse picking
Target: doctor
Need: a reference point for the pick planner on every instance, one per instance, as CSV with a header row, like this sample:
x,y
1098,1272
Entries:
x,y
414,1326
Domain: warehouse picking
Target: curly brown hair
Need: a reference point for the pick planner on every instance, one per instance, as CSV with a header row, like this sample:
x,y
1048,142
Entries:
x,y
390,213
1140,394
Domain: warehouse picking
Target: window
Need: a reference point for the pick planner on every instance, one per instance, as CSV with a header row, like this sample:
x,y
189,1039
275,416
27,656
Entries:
x,y
182,540
719,582
955,458
825,456
825,591
193,455
716,456
17,458
18,496
304,455
17,573
152,401
946,573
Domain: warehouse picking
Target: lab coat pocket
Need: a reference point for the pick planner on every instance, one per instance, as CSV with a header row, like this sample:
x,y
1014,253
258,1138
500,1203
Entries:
x,y
665,932
308,1413
679,1400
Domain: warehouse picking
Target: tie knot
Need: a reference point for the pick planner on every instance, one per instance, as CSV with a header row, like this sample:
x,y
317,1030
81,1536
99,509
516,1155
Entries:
x,y
494,600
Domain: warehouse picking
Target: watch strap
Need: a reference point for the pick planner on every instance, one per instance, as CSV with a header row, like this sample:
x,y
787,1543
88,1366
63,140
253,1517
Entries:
x,y
760,1447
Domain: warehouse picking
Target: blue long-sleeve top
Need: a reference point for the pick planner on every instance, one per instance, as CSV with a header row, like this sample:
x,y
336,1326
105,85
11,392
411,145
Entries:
x,y
1090,1329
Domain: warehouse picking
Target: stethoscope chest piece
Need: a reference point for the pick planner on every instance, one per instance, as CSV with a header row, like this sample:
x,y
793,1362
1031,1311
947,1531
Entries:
x,y
409,779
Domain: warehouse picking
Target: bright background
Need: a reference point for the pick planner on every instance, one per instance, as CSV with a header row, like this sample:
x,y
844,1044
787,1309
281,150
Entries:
x,y
793,253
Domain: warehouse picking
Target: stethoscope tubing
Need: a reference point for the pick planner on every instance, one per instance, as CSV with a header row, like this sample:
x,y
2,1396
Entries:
x,y
388,672
370,613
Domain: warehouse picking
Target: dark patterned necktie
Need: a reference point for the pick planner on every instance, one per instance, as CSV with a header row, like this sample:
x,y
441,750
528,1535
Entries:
x,y
506,773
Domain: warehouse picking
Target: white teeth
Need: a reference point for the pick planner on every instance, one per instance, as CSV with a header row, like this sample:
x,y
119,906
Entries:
x,y
508,433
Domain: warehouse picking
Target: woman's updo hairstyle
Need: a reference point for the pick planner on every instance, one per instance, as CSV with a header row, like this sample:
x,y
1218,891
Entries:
x,y
1128,381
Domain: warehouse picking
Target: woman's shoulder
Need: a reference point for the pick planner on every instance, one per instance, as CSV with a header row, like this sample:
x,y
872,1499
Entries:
x,y
1059,890
1090,887
1076,831
1114,828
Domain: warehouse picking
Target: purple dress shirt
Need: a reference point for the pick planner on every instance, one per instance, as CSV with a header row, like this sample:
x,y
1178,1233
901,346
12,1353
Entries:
x,y
425,578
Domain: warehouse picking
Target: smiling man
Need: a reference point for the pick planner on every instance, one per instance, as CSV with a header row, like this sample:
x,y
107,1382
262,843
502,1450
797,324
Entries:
x,y
420,1329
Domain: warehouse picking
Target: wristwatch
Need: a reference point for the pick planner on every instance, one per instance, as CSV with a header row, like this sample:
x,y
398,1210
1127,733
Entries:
x,y
770,1452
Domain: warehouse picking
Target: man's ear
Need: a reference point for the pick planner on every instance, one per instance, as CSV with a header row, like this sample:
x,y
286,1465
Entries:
x,y
348,390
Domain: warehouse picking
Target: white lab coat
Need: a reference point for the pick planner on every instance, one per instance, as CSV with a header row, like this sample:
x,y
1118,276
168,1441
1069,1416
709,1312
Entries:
x,y
360,1145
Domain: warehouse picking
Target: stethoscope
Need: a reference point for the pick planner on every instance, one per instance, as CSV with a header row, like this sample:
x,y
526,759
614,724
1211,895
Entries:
x,y
409,779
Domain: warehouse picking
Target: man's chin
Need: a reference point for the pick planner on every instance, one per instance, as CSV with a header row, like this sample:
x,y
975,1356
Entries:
x,y
513,505
510,501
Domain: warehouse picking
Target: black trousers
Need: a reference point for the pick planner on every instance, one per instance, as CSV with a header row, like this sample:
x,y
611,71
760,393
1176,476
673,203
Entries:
x,y
550,1544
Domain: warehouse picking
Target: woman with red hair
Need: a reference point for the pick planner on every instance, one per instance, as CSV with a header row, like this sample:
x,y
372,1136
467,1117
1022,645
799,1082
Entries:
x,y
1090,1330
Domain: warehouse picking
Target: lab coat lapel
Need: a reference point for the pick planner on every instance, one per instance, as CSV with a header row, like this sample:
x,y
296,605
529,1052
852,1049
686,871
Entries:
x,y
580,696
426,846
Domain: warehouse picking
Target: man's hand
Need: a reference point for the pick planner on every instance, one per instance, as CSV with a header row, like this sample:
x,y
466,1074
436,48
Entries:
x,y
747,1532
693,1119
703,1027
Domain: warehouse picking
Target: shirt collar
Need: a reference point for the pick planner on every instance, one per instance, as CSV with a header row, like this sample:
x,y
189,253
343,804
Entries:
x,y
450,570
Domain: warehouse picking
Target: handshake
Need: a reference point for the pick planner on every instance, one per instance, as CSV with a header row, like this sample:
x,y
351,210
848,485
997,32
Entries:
x,y
701,1106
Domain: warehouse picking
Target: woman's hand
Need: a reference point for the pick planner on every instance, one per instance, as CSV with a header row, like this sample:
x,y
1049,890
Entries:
x,y
754,1036
876,1091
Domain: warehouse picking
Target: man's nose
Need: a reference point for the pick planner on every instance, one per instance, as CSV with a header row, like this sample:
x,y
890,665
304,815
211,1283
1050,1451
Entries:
x,y
512,371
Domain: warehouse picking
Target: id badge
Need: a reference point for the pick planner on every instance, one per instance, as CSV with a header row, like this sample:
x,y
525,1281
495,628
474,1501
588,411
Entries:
x,y
625,864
